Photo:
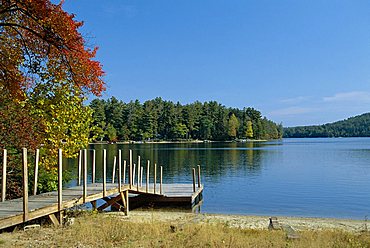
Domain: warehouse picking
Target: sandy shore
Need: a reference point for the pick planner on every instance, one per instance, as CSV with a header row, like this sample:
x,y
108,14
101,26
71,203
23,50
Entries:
x,y
245,222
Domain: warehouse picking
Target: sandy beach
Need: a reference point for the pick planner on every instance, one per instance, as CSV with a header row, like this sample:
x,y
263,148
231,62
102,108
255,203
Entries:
x,y
245,221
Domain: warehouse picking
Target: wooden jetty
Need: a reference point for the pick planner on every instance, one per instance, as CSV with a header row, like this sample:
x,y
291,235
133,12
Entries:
x,y
115,193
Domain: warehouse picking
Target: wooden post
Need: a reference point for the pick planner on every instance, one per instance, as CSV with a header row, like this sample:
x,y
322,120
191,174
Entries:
x,y
141,176
138,172
155,176
123,198
93,165
127,204
124,171
133,175
36,171
60,182
160,182
25,184
147,176
130,174
193,179
114,168
104,172
79,167
120,166
119,171
85,176
3,187
199,176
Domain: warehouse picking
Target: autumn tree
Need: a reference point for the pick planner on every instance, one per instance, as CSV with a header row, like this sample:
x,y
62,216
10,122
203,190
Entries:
x,y
233,125
46,71
17,126
40,46
40,43
65,118
249,130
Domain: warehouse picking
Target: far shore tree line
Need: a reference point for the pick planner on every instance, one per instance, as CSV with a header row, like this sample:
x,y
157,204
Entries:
x,y
357,126
157,119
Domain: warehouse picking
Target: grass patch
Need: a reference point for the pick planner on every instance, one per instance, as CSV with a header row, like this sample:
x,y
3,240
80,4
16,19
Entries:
x,y
100,230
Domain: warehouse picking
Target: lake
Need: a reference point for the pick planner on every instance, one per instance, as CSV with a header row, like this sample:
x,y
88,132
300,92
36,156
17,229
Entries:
x,y
321,177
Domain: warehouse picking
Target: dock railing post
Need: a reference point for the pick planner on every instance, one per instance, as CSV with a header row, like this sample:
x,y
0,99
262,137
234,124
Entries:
x,y
134,175
130,170
138,173
120,163
119,171
3,187
114,168
25,184
199,184
147,176
104,172
60,185
141,176
36,171
124,172
160,182
155,177
93,165
85,176
193,179
79,167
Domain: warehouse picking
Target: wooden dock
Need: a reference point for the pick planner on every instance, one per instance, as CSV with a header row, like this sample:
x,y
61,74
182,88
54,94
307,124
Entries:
x,y
117,195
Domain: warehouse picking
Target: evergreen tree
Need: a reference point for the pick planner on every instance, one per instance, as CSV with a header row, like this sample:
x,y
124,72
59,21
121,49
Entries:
x,y
99,119
111,133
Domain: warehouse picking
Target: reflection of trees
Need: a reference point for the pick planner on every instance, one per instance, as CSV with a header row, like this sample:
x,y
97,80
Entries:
x,y
216,159
250,154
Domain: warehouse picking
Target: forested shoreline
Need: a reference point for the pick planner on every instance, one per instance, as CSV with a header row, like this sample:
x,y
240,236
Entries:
x,y
157,119
357,126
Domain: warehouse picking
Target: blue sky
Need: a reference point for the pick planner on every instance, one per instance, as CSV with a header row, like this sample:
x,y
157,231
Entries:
x,y
299,62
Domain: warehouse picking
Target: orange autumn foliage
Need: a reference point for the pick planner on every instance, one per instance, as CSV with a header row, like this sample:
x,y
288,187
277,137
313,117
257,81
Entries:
x,y
39,43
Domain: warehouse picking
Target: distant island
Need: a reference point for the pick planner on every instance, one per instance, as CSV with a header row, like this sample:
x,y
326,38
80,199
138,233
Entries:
x,y
160,120
357,126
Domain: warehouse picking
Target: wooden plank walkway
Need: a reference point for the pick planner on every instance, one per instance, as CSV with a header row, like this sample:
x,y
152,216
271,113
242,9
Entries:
x,y
11,211
26,208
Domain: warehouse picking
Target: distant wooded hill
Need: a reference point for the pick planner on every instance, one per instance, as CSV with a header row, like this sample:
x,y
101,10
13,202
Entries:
x,y
357,126
165,120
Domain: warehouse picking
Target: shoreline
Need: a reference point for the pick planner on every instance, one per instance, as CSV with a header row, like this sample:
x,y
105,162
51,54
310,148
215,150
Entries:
x,y
174,142
246,221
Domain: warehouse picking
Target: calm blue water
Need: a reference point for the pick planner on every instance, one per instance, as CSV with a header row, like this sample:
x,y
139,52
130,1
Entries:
x,y
292,177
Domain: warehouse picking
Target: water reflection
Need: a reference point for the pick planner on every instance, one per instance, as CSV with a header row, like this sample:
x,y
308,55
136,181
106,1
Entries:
x,y
216,159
